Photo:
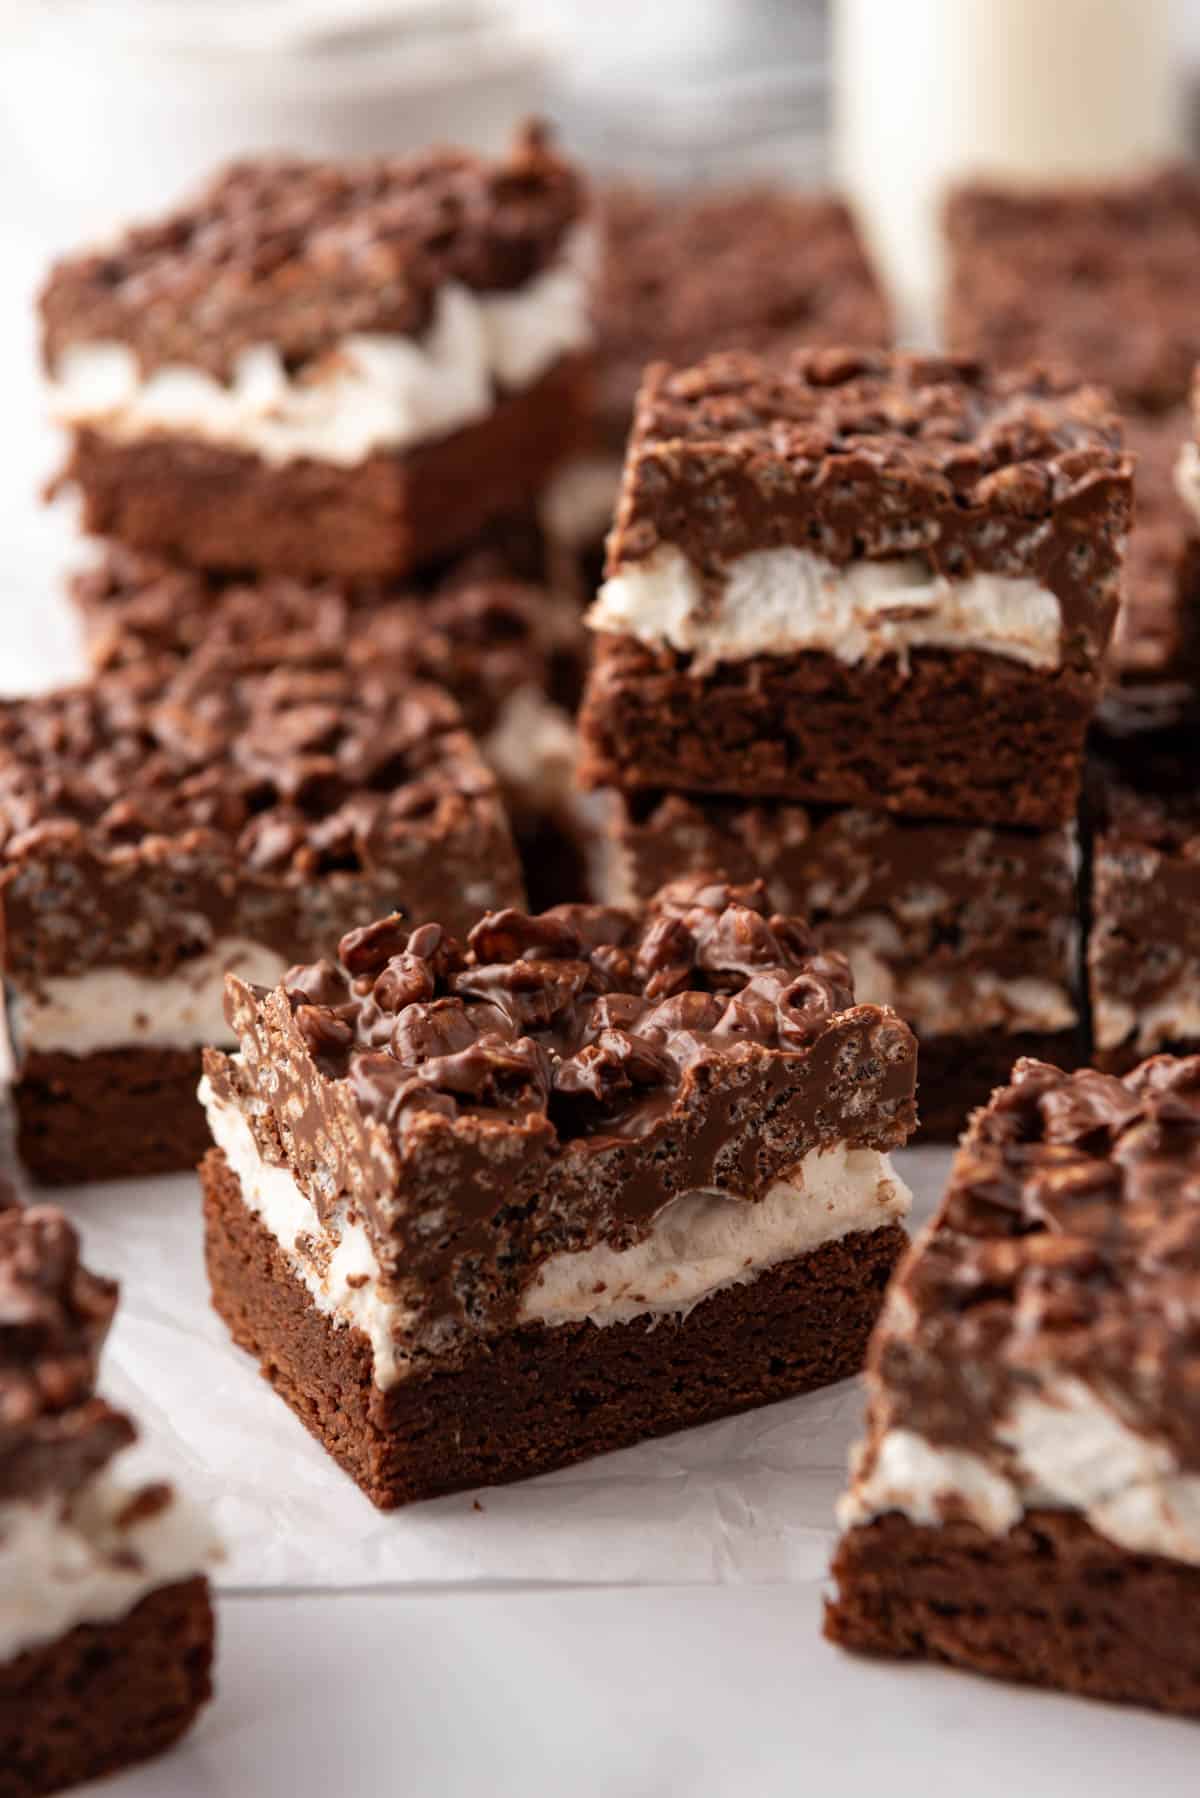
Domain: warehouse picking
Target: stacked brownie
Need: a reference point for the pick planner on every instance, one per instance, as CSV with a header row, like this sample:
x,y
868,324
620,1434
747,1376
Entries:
x,y
481,1209
1026,1502
106,1631
851,640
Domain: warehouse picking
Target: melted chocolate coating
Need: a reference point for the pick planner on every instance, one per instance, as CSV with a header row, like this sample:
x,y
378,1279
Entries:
x,y
473,630
54,1316
165,803
855,455
557,1080
1067,1246
301,254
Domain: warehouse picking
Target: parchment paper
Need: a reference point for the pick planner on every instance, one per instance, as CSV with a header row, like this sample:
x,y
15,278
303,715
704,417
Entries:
x,y
746,1499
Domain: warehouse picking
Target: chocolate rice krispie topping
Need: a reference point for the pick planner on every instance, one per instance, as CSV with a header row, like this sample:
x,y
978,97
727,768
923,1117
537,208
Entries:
x,y
752,268
857,455
555,1082
1068,1247
54,1316
587,1014
162,807
299,770
1093,276
300,254
481,635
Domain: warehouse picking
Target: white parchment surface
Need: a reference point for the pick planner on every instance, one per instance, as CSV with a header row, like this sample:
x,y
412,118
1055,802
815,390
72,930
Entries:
x,y
746,1499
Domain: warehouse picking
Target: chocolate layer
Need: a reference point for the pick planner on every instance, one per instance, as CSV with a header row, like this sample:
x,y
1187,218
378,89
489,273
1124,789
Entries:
x,y
1067,1248
113,1114
159,808
880,456
1144,940
106,1695
471,628
555,1084
511,653
1095,276
54,1316
300,254
1154,656
754,268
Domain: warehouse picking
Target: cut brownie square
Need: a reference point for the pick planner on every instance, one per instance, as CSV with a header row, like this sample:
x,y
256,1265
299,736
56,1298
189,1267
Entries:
x,y
1144,939
1026,1502
106,1629
320,368
602,1174
1154,659
860,579
1095,276
968,933
512,654
162,824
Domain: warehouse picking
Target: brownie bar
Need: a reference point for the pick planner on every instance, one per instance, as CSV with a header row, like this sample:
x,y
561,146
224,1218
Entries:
x,y
1144,940
384,517
1026,1498
860,579
968,933
527,1153
106,1695
511,653
1050,1603
1095,276
752,268
1154,658
106,1630
166,821
328,369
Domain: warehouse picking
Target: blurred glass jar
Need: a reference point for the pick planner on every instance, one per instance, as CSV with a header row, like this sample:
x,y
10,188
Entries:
x,y
926,91
116,108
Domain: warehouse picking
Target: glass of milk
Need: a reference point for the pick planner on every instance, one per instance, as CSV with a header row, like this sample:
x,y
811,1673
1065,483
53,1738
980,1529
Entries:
x,y
928,91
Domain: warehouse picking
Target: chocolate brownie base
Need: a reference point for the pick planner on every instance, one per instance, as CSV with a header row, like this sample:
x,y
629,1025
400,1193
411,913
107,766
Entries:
x,y
108,1115
537,1397
1051,1603
957,1073
224,509
105,1695
960,735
